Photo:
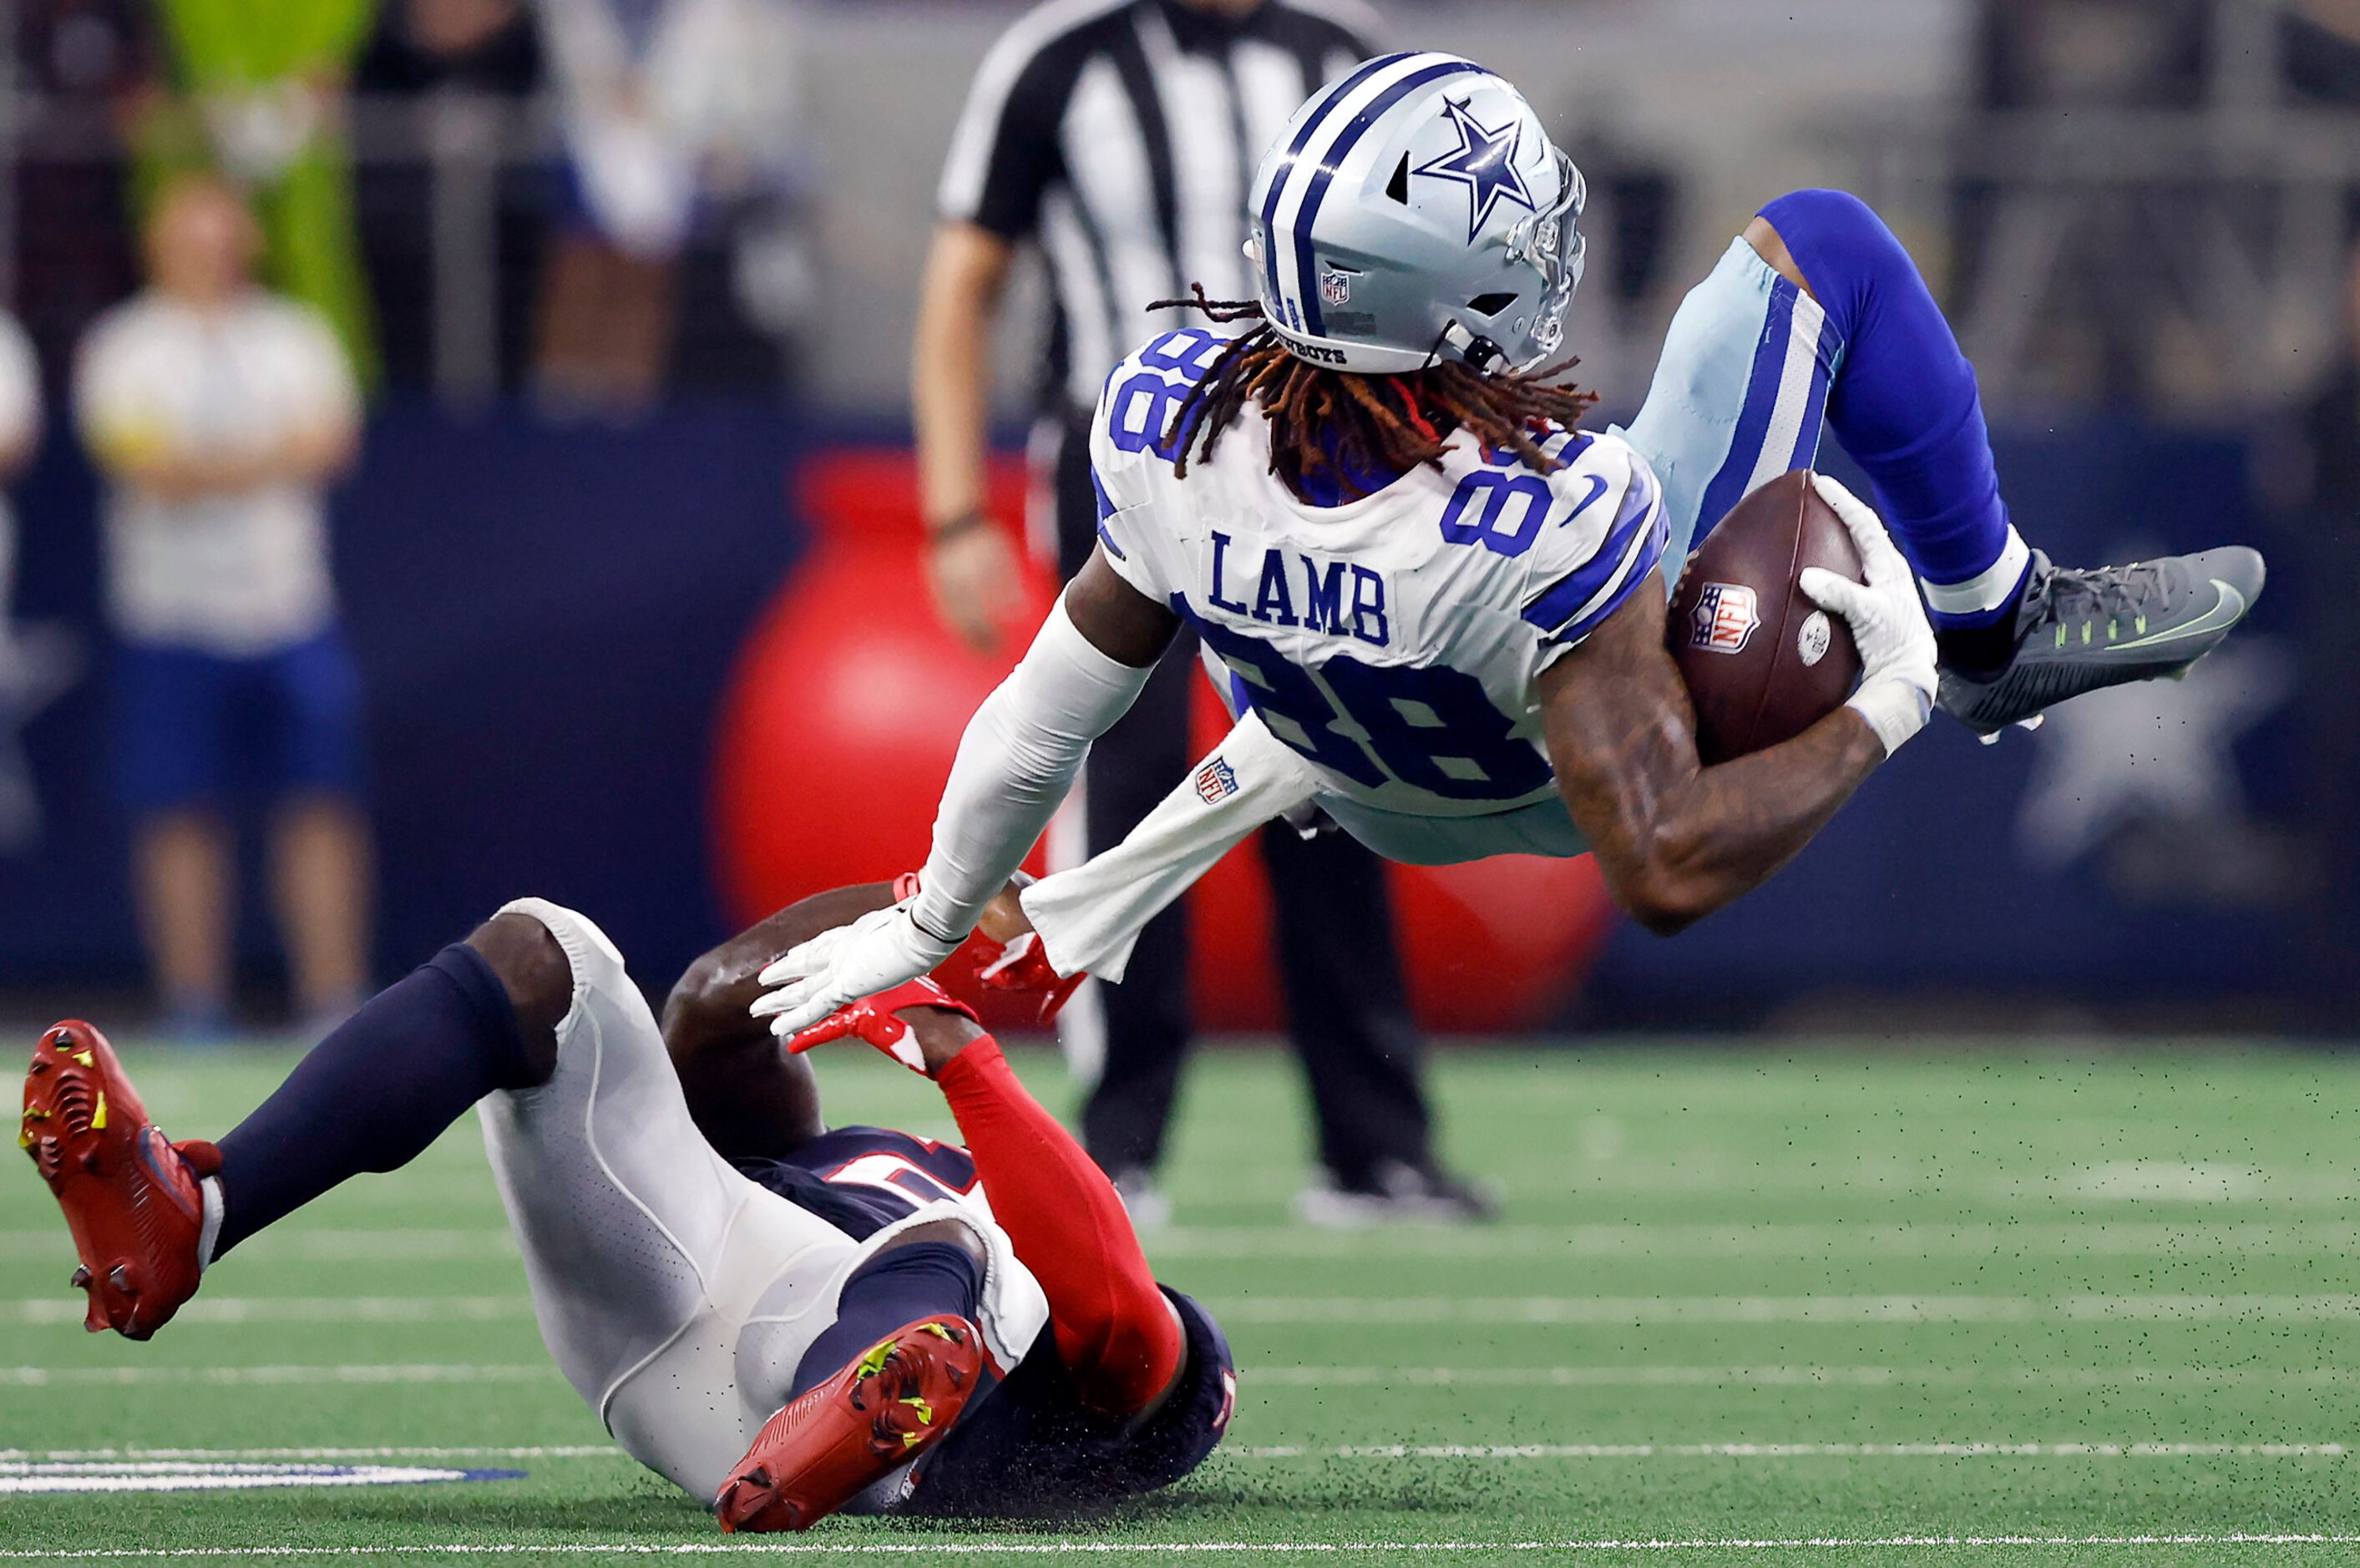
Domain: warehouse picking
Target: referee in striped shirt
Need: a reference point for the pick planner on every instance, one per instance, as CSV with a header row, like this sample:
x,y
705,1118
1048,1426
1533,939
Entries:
x,y
1122,137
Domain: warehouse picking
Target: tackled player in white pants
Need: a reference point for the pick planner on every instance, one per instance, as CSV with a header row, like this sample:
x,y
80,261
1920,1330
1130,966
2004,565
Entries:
x,y
786,1320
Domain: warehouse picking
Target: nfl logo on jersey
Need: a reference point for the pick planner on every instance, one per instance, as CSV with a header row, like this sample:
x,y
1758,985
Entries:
x,y
1216,781
1724,619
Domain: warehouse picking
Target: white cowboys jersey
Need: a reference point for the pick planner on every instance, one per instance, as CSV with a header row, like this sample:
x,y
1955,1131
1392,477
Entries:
x,y
1392,640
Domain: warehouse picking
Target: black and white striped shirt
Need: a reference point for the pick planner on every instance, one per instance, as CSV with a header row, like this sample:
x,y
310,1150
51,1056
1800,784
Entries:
x,y
1124,135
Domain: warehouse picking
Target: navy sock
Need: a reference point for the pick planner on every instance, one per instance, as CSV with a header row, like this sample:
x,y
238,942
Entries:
x,y
908,1284
1905,404
374,1094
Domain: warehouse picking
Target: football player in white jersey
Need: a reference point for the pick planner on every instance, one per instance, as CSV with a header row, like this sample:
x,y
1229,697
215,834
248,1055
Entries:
x,y
1439,608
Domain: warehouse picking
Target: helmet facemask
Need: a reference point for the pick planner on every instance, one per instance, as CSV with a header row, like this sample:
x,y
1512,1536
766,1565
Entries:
x,y
1550,242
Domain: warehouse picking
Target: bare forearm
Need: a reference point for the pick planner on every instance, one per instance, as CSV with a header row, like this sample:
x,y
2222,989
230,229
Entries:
x,y
746,1093
950,388
174,478
315,456
1733,826
308,457
950,406
1675,839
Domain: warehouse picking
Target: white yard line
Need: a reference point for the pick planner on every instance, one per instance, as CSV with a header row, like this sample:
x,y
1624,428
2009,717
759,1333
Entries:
x,y
1292,1376
1280,1244
2161,1307
39,1478
1661,1377
1179,1548
2162,1186
1688,1241
282,1455
335,1244
1801,1450
407,1372
2158,1307
297,1309
1951,1449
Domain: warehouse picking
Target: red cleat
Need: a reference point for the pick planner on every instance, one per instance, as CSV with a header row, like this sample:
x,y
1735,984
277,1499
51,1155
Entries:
x,y
854,1429
130,1197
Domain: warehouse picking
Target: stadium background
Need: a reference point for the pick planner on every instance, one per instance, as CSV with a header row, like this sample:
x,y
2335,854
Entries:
x,y
2011,1207
2139,222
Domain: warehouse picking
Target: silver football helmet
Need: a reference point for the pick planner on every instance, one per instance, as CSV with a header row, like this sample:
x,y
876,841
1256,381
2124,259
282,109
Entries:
x,y
1416,211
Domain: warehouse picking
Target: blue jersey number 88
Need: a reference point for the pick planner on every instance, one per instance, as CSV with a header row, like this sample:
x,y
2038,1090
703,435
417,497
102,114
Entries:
x,y
1428,727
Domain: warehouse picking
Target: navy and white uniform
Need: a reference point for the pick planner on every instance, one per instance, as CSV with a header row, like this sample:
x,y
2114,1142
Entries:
x,y
1028,1445
678,1293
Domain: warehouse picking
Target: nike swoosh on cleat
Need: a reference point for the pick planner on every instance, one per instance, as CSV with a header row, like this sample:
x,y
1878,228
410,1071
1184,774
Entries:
x,y
2227,613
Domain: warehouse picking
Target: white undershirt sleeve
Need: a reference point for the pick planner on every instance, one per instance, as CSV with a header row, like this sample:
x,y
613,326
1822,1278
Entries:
x,y
1015,763
1088,917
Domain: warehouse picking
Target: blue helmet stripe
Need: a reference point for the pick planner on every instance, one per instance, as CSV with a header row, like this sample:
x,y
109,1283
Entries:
x,y
1327,100
1346,140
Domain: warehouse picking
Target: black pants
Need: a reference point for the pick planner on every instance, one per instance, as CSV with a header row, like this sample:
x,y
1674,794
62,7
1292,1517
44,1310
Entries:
x,y
1347,1013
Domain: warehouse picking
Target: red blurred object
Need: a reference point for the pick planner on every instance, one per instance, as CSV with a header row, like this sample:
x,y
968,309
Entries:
x,y
845,713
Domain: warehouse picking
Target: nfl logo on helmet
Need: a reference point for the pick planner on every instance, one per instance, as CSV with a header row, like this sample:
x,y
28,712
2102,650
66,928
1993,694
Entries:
x,y
1724,619
1336,288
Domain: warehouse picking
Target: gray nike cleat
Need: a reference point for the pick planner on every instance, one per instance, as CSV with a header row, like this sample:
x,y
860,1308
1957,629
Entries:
x,y
2082,631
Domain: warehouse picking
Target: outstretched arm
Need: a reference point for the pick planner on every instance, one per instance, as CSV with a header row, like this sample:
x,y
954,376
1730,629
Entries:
x,y
1018,758
1677,839
1117,1333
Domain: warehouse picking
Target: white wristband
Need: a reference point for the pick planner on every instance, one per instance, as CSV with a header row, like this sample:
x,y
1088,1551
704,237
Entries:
x,y
1895,709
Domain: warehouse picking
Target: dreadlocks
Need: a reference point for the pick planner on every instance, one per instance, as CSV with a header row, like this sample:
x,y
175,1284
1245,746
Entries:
x,y
1323,418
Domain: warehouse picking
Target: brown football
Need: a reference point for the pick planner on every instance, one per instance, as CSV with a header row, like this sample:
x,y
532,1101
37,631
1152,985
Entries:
x,y
1762,662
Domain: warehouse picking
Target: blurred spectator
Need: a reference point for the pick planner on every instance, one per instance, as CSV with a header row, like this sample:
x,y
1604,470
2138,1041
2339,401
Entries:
x,y
670,106
35,664
218,412
2070,289
260,88
418,214
93,64
2319,49
469,46
20,433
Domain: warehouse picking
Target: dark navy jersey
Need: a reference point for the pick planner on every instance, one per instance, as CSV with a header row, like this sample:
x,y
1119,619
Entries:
x,y
1033,1448
862,1178
1028,1445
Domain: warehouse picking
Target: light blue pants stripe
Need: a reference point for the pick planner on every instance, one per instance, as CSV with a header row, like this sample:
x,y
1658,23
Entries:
x,y
1740,395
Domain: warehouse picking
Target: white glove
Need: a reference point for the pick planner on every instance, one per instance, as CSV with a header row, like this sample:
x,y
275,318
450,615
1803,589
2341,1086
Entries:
x,y
875,952
1888,622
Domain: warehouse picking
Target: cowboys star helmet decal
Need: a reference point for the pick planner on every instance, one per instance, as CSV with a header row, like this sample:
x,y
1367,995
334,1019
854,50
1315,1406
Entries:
x,y
1485,162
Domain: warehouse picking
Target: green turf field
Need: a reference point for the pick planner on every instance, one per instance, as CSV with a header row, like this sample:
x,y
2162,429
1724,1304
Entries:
x,y
1773,1306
